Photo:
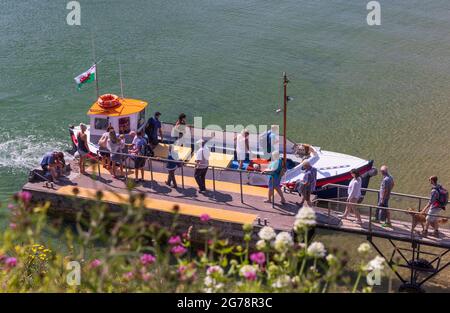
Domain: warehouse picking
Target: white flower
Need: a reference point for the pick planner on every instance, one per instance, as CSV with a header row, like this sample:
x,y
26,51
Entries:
x,y
283,242
305,218
211,285
331,259
376,264
214,269
248,271
261,244
316,250
364,248
267,233
282,281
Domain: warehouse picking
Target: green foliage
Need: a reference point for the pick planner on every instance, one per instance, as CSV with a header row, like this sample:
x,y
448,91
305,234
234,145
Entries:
x,y
124,252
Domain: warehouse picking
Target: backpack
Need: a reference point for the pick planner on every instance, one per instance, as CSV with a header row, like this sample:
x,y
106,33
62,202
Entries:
x,y
442,197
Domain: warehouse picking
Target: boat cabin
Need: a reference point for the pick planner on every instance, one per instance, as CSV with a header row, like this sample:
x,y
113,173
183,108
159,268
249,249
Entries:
x,y
124,114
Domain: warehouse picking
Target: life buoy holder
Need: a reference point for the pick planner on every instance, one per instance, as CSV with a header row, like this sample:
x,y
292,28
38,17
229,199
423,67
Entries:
x,y
108,101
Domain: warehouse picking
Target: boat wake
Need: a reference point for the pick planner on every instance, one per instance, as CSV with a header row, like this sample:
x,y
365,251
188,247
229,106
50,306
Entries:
x,y
25,152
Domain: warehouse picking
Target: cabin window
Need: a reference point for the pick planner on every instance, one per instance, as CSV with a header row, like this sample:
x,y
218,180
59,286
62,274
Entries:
x,y
101,123
124,125
141,120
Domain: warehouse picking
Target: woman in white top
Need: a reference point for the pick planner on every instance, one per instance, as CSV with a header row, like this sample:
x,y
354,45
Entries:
x,y
242,147
354,194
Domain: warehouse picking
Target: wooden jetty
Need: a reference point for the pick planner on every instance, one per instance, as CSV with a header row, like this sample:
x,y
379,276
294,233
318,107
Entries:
x,y
231,204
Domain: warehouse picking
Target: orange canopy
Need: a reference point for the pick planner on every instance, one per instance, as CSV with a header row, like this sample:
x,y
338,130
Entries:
x,y
126,107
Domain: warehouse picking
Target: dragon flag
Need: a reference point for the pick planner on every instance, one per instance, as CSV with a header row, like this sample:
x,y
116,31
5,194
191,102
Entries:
x,y
86,77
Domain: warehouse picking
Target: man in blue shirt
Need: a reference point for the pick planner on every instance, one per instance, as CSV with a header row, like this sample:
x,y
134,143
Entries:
x,y
49,164
387,184
153,128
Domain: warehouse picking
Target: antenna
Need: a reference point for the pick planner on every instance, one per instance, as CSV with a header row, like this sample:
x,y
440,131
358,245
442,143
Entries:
x,y
120,75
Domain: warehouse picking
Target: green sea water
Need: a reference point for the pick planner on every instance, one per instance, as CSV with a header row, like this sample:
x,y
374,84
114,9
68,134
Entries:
x,y
379,92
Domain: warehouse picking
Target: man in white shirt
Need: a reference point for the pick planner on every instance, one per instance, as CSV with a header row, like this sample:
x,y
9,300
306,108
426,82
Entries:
x,y
201,165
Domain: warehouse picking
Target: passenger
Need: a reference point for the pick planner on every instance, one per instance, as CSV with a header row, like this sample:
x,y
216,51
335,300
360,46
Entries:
x,y
387,184
275,170
82,147
153,129
113,145
201,165
307,185
171,167
438,201
49,165
102,143
354,194
139,150
60,163
179,129
242,147
123,150
273,141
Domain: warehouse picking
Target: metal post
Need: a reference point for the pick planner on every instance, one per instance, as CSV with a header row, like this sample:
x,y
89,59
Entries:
x,y
150,164
98,165
182,175
214,182
273,193
370,219
240,186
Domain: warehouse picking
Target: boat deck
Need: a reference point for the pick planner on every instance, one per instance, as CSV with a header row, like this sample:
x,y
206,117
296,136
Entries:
x,y
222,205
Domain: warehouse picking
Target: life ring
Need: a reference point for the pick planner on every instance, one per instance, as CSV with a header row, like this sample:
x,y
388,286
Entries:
x,y
108,101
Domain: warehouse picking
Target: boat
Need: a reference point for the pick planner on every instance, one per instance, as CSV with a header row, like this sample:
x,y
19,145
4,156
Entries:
x,y
127,115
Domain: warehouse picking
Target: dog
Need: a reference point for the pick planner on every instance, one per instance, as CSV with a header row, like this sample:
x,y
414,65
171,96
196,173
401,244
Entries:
x,y
421,218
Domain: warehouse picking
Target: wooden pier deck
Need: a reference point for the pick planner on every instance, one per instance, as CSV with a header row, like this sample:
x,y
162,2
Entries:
x,y
224,206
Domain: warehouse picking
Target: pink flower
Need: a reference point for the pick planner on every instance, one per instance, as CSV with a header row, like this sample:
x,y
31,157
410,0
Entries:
x,y
181,269
12,225
95,263
146,276
178,250
128,275
250,276
258,258
11,206
147,259
11,262
174,240
25,196
204,217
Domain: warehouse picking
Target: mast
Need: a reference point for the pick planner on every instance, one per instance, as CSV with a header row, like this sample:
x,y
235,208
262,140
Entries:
x,y
285,100
121,83
96,67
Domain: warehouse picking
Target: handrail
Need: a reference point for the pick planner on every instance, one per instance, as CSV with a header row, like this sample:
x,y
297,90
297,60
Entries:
x,y
185,163
376,207
377,191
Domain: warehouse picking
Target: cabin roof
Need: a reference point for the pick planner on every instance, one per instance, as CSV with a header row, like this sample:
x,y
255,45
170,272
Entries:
x,y
127,106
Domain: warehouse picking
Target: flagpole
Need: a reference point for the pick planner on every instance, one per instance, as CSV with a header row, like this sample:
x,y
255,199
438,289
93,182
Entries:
x,y
120,75
96,67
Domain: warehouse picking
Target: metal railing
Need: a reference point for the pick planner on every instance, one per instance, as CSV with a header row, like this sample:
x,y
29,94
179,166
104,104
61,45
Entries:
x,y
126,158
420,199
371,208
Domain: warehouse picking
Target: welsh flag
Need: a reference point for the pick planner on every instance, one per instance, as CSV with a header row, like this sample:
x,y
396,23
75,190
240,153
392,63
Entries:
x,y
86,77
